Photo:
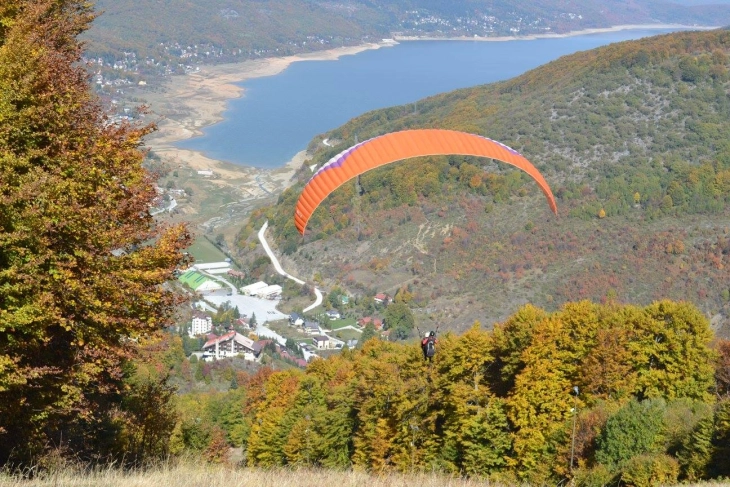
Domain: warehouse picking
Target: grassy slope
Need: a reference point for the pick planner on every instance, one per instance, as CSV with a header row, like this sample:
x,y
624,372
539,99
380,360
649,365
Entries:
x,y
644,116
192,474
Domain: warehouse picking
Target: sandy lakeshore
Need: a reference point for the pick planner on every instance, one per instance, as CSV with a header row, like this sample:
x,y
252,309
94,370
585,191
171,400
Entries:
x,y
189,103
186,104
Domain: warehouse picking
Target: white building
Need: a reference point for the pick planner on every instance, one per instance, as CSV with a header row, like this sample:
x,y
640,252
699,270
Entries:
x,y
208,286
269,292
202,323
230,345
311,327
214,267
322,342
251,289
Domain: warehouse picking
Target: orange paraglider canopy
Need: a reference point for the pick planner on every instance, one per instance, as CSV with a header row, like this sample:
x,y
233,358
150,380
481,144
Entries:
x,y
397,146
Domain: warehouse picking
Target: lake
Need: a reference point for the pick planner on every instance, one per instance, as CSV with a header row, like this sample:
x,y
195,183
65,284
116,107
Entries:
x,y
279,115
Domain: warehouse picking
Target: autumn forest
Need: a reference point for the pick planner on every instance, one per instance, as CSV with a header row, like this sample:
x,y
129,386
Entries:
x,y
589,348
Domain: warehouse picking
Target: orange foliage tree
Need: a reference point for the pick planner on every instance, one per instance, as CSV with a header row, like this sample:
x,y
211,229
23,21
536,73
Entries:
x,y
82,262
496,404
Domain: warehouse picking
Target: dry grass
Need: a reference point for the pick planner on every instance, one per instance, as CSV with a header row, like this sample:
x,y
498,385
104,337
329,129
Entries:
x,y
193,475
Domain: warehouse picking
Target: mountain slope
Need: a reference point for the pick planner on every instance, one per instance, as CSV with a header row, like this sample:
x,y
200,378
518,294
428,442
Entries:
x,y
215,30
632,137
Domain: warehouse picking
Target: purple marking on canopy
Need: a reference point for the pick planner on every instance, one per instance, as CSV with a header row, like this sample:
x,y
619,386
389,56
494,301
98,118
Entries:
x,y
337,160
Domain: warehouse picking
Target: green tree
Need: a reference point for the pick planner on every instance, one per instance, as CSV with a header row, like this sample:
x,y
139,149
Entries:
x,y
292,345
82,262
399,319
671,353
367,333
720,462
509,340
696,451
651,469
636,429
231,418
476,435
147,418
333,298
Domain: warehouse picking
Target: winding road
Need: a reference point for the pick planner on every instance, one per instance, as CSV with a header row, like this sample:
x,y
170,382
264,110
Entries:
x,y
281,271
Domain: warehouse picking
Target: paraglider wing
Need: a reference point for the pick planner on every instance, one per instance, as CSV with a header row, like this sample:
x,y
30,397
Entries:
x,y
397,146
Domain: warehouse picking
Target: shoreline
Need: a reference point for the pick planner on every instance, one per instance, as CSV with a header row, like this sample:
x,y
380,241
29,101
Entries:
x,y
192,102
552,35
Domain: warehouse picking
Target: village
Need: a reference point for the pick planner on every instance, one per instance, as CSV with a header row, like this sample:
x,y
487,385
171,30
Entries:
x,y
257,325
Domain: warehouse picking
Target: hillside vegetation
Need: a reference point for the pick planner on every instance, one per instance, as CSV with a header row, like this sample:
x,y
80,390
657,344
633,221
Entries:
x,y
612,394
632,138
91,382
192,32
83,265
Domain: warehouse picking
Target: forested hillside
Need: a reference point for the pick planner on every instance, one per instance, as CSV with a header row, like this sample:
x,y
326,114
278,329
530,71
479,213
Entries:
x,y
632,138
603,395
596,393
146,35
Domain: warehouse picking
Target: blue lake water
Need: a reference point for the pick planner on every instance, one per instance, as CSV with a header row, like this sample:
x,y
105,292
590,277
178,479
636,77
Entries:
x,y
279,115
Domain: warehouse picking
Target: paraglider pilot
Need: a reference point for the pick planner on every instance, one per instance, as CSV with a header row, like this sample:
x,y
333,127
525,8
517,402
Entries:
x,y
428,345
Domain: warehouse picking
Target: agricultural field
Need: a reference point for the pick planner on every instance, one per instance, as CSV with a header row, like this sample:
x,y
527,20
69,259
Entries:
x,y
204,251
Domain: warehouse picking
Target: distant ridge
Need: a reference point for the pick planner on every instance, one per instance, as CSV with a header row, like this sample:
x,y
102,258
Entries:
x,y
217,30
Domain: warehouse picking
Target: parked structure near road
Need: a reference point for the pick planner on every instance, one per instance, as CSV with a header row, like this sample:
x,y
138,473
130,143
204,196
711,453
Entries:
x,y
377,322
269,292
262,290
251,289
381,298
229,345
311,327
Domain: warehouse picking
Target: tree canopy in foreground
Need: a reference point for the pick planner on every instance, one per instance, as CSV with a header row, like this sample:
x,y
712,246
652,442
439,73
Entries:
x,y
501,404
82,262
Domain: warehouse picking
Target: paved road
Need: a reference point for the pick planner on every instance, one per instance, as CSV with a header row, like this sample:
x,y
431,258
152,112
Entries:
x,y
171,206
281,271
